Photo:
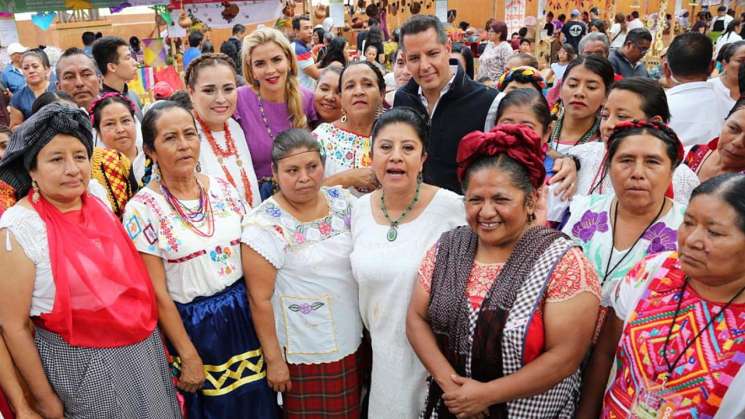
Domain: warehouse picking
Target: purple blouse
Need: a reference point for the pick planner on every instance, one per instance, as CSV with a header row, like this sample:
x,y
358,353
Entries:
x,y
248,115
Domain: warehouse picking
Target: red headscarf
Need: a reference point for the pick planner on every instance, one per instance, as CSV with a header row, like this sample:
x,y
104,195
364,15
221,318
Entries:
x,y
104,297
518,142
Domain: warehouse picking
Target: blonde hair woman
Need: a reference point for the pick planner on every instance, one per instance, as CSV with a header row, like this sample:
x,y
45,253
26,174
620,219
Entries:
x,y
272,101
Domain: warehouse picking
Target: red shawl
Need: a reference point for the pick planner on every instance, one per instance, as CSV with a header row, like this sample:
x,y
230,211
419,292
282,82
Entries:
x,y
104,297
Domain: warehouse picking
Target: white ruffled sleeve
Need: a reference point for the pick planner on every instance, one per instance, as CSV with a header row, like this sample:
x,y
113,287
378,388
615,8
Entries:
x,y
266,241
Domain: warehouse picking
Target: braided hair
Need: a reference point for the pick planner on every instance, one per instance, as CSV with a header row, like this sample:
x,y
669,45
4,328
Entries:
x,y
206,60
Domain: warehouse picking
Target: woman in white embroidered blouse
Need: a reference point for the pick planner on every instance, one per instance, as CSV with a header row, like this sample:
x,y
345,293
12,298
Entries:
x,y
224,151
303,298
187,228
346,142
397,224
632,98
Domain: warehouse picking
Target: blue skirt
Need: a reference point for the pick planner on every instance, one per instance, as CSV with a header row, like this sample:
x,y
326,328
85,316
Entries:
x,y
221,330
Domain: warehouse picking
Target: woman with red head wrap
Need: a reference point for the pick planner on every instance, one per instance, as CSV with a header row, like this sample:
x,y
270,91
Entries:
x,y
509,305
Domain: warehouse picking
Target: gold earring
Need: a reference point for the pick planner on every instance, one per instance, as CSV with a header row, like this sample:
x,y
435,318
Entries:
x,y
35,194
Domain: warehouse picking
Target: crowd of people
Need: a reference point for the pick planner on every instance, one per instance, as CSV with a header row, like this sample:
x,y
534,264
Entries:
x,y
302,234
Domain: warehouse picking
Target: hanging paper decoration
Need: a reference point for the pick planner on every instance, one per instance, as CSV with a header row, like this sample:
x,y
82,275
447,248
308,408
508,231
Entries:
x,y
164,13
43,20
230,11
119,8
154,52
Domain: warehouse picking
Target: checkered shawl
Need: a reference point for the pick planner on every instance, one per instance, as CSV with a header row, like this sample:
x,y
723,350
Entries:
x,y
518,292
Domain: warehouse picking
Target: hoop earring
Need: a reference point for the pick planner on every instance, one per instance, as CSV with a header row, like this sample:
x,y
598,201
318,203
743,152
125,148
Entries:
x,y
35,195
344,118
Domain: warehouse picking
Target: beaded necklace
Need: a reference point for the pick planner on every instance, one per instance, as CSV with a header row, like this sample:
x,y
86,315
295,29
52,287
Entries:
x,y
393,230
264,118
222,155
556,133
191,217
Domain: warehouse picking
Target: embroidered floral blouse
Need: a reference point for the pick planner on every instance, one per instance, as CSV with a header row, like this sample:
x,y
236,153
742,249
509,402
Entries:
x,y
195,266
315,299
343,149
709,380
589,224
573,275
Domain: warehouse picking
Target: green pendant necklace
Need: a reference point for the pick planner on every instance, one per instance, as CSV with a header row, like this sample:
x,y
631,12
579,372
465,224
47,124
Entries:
x,y
393,230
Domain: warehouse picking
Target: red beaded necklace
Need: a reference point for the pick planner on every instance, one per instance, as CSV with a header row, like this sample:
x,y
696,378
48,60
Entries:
x,y
230,150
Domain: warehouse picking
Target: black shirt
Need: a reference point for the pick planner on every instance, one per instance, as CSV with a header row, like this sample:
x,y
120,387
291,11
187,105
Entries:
x,y
574,31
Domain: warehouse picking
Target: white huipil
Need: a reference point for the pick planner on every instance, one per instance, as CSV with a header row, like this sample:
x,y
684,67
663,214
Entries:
x,y
386,272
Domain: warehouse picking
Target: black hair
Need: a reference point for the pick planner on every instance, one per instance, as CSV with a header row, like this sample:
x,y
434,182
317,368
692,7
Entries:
x,y
231,50
465,51
638,34
690,55
293,139
207,47
50,97
150,120
320,32
134,42
463,25
39,54
635,14
662,133
523,97
562,17
730,188
598,65
183,99
238,28
206,60
523,32
731,27
373,22
101,104
729,50
195,38
296,21
334,52
506,164
403,115
421,23
99,35
569,49
651,94
88,38
371,66
528,40
105,52
375,37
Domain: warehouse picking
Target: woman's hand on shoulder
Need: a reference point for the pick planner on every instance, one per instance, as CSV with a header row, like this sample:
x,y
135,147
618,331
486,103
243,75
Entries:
x,y
565,176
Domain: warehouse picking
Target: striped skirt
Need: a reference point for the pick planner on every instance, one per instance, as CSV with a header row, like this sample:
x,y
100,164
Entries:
x,y
221,329
330,390
113,383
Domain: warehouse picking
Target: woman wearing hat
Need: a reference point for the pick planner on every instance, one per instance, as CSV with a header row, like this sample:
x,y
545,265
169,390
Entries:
x,y
95,350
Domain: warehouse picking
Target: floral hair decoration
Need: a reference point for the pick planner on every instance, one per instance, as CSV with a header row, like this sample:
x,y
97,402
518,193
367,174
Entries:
x,y
522,74
518,142
92,107
653,125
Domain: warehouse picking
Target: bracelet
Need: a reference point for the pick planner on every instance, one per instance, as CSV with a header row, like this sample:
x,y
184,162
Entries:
x,y
575,159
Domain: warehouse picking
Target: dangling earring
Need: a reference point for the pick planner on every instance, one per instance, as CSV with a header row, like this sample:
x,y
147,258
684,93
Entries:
x,y
35,194
419,178
531,217
156,172
344,118
199,168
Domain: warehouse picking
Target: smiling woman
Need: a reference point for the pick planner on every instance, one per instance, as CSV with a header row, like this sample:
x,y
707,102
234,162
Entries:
x,y
272,101
491,326
211,80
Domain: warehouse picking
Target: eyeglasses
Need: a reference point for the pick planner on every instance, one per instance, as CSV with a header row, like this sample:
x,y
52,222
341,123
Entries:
x,y
641,50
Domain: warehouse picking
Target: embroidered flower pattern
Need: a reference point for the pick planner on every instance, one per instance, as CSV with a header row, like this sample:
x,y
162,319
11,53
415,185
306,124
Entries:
x,y
221,255
661,238
590,223
306,308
